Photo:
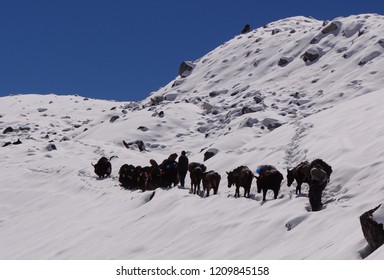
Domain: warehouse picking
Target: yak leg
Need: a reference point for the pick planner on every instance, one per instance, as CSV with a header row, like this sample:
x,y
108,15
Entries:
x,y
298,187
207,192
275,194
264,194
246,192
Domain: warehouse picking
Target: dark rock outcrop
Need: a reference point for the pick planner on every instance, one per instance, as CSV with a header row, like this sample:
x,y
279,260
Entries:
x,y
330,28
311,55
210,153
113,119
186,68
246,29
139,143
8,130
51,147
373,231
284,61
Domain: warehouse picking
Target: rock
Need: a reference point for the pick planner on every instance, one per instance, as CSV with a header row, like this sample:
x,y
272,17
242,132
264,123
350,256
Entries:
x,y
249,122
284,61
24,128
372,230
258,98
330,28
139,143
171,96
218,92
248,110
51,147
311,55
186,68
7,144
207,107
18,142
156,100
8,130
271,123
177,83
113,119
210,153
143,128
246,29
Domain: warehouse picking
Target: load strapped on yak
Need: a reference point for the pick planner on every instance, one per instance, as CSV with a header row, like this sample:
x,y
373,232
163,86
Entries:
x,y
262,170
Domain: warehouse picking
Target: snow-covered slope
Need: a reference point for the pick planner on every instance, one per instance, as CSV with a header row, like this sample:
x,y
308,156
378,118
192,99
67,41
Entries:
x,y
241,101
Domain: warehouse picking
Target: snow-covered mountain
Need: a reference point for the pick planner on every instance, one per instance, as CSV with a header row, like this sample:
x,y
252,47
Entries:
x,y
296,89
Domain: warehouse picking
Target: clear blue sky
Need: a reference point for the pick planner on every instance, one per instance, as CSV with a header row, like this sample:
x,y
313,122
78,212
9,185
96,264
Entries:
x,y
125,49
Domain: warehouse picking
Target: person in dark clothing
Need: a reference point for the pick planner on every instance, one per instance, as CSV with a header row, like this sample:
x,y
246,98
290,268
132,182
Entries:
x,y
183,168
319,176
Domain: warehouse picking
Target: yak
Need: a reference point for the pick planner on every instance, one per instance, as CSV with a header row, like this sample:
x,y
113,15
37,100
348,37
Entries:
x,y
196,171
103,167
269,179
242,176
126,177
300,174
211,180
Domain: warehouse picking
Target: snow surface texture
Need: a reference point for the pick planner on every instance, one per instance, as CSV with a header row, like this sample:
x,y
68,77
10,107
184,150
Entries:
x,y
238,101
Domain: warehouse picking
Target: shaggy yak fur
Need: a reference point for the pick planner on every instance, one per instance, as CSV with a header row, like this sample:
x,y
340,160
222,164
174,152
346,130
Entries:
x,y
196,171
211,180
103,167
143,178
126,175
169,171
269,179
242,176
300,174
319,176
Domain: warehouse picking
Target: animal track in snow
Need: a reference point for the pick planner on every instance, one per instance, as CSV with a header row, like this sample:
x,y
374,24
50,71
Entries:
x,y
294,153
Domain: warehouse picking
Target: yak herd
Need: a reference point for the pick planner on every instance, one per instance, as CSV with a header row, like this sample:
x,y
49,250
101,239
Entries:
x,y
170,172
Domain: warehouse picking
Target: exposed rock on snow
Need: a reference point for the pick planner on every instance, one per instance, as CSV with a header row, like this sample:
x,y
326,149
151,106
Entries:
x,y
186,68
373,227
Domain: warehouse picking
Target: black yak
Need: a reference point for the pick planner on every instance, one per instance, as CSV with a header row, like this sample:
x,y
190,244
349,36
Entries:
x,y
196,171
299,173
269,179
242,176
103,167
169,171
211,180
126,177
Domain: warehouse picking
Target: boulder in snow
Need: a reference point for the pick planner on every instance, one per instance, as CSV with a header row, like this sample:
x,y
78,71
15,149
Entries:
x,y
246,29
113,119
372,226
311,55
284,61
8,130
210,153
186,68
